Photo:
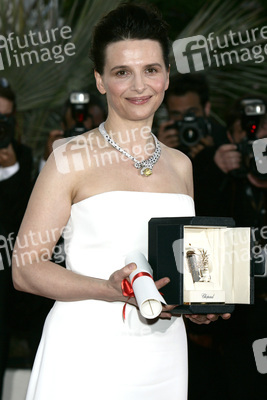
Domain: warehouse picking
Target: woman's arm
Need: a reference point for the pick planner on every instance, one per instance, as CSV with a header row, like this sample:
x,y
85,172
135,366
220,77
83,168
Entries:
x,y
47,213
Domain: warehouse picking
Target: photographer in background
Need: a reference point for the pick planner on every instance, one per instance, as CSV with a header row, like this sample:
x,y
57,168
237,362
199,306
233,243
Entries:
x,y
82,111
15,188
191,130
246,122
15,164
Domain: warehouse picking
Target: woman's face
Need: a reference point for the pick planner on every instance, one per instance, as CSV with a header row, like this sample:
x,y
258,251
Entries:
x,y
134,79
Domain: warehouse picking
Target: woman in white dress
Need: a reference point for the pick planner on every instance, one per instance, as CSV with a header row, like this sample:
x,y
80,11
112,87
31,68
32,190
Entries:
x,y
104,199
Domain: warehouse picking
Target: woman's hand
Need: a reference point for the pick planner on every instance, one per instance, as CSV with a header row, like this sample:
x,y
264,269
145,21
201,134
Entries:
x,y
115,288
114,283
165,308
206,318
114,293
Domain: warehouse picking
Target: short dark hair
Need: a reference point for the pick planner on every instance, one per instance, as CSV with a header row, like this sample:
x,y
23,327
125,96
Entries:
x,y
128,21
182,84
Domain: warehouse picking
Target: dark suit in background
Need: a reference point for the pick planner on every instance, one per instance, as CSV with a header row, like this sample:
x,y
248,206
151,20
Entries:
x,y
14,195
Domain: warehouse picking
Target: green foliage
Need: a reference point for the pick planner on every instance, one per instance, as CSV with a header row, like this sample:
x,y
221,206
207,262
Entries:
x,y
230,81
42,85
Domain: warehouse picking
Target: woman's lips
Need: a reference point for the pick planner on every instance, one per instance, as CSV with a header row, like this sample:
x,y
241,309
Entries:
x,y
138,100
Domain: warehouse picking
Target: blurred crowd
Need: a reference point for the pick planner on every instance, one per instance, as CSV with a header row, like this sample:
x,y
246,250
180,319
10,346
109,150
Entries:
x,y
226,184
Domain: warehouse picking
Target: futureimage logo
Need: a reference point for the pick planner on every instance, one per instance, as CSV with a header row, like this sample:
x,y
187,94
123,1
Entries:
x,y
12,48
191,54
78,153
196,53
34,247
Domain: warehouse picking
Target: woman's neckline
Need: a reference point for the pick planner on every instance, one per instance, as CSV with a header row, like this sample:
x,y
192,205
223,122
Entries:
x,y
130,192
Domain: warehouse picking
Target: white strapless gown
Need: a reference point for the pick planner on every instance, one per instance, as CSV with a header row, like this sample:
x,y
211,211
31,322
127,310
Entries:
x,y
87,351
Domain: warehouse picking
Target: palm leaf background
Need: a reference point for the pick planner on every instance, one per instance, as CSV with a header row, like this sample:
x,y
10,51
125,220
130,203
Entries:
x,y
42,87
233,80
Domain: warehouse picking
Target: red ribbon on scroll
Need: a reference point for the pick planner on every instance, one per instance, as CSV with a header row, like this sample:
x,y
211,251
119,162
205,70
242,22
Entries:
x,y
127,288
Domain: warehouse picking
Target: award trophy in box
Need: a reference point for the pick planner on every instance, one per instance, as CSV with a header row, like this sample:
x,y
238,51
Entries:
x,y
198,262
208,261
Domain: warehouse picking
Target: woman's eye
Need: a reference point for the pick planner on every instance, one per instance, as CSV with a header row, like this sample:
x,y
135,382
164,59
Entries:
x,y
151,70
121,73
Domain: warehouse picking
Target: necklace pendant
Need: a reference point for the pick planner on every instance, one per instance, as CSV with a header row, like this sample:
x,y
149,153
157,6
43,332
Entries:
x,y
146,171
146,165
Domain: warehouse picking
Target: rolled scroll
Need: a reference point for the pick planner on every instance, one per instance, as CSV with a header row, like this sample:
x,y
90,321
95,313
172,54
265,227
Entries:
x,y
148,298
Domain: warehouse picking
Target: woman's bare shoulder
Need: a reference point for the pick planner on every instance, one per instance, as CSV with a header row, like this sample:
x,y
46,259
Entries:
x,y
181,166
71,163
73,154
177,157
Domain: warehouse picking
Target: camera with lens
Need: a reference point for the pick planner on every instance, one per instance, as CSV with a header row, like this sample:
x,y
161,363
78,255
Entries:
x,y
191,129
78,102
7,130
252,114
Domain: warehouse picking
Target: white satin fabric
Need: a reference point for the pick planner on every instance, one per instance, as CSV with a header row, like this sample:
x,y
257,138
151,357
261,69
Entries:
x,y
87,351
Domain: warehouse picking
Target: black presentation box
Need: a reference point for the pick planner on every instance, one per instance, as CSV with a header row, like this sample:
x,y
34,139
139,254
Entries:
x,y
208,260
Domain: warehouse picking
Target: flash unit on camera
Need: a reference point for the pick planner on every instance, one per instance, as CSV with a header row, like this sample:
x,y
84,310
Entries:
x,y
253,107
79,98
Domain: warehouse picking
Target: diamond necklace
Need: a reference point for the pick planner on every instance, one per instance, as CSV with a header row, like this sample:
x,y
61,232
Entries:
x,y
147,165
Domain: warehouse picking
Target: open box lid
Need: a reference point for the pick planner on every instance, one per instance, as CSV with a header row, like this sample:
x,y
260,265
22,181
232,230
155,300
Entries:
x,y
167,243
226,252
